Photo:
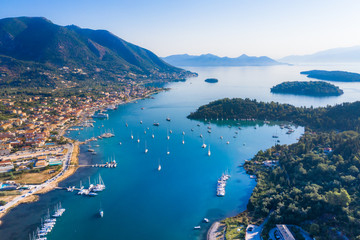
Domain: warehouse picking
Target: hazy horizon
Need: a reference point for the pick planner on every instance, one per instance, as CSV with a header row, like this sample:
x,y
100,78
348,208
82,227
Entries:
x,y
229,28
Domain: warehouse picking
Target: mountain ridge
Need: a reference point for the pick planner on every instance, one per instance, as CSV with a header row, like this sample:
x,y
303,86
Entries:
x,y
213,60
333,55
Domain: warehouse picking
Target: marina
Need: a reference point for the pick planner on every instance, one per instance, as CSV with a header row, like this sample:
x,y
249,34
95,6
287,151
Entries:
x,y
47,224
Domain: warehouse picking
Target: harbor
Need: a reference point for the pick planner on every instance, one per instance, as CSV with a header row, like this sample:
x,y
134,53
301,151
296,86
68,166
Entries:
x,y
137,194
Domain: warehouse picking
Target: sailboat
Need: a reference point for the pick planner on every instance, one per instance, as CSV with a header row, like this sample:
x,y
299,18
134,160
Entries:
x,y
209,153
203,145
100,186
146,150
159,167
101,212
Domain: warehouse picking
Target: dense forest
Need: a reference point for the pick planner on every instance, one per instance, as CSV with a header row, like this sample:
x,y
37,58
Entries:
x,y
341,117
311,185
336,76
312,88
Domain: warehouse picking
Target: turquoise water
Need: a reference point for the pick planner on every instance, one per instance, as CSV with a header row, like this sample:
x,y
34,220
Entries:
x,y
143,203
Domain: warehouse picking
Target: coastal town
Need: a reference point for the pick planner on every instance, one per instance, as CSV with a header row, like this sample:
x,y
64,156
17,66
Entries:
x,y
34,154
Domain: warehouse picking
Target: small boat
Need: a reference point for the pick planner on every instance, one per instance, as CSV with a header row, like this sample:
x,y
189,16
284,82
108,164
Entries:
x,y
146,150
138,140
192,129
183,133
156,124
153,136
144,131
132,136
168,119
206,220
101,213
120,143
227,142
221,137
198,125
197,227
170,131
142,108
204,145
209,131
183,141
140,122
209,153
159,167
126,125
201,135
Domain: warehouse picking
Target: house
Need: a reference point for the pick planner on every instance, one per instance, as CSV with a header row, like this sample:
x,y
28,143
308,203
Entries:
x,y
6,166
328,150
5,126
284,232
41,163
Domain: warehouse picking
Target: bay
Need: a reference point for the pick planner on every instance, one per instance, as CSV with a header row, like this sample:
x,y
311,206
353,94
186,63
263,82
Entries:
x,y
142,203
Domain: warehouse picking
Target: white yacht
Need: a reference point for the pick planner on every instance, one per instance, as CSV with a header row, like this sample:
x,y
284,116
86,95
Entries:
x,y
159,167
146,150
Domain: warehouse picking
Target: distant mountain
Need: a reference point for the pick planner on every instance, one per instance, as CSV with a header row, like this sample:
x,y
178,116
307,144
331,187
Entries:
x,y
28,42
336,55
213,60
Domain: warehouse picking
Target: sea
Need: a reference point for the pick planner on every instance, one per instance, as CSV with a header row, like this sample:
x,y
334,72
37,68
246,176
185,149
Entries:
x,y
143,203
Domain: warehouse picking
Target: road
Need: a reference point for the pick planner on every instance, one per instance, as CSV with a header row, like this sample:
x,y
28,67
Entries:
x,y
255,234
36,188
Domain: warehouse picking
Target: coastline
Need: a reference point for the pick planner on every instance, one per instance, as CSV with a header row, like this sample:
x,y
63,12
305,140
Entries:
x,y
72,167
50,186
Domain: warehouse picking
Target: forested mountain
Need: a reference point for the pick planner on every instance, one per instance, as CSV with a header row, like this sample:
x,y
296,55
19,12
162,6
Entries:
x,y
34,48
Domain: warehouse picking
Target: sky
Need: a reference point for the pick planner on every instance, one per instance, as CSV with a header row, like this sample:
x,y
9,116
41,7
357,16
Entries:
x,y
274,28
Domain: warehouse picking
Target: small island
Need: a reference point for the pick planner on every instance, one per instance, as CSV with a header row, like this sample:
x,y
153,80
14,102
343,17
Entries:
x,y
312,88
336,76
211,80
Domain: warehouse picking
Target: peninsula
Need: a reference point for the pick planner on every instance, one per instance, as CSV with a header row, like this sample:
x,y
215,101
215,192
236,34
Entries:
x,y
312,88
310,184
336,76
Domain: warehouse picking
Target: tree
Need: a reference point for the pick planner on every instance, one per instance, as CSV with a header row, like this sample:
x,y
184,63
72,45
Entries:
x,y
314,229
341,198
